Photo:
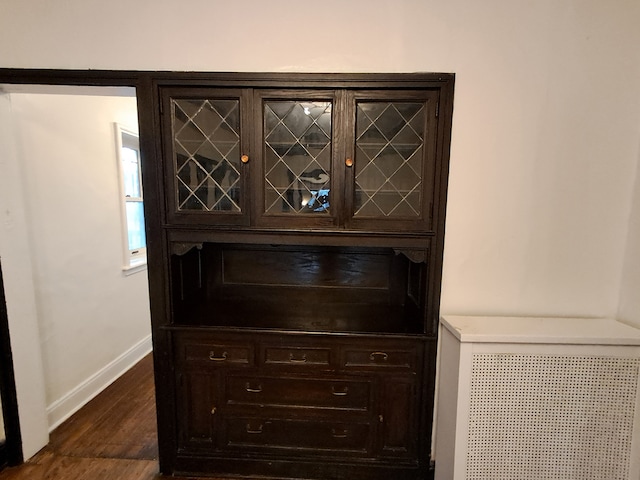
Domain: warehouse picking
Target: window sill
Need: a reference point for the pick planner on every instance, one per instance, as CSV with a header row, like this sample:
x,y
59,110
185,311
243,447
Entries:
x,y
135,268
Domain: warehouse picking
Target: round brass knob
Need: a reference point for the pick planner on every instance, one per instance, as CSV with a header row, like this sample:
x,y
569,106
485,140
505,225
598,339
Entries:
x,y
349,162
244,158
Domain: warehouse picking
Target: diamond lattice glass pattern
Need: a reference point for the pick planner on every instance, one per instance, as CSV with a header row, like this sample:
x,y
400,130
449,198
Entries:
x,y
389,143
207,154
297,137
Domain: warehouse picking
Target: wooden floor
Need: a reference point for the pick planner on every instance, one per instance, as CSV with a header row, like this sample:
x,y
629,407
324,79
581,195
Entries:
x,y
112,438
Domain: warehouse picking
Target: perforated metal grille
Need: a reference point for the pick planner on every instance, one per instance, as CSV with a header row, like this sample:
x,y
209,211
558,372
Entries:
x,y
541,417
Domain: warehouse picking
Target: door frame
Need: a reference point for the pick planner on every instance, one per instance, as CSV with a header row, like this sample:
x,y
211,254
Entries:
x,y
11,450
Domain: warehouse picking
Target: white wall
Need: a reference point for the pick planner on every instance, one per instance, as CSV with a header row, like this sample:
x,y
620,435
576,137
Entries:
x,y
546,118
20,292
630,293
544,150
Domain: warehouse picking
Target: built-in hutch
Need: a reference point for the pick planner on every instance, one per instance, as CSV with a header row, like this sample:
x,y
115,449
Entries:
x,y
296,259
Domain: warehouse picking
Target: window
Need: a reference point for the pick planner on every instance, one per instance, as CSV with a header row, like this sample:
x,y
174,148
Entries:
x,y
134,241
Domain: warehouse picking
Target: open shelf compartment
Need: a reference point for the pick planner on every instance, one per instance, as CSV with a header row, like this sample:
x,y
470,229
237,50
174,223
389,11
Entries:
x,y
299,287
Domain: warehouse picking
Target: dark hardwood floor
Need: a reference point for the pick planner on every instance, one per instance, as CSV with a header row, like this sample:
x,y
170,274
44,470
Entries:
x,y
112,438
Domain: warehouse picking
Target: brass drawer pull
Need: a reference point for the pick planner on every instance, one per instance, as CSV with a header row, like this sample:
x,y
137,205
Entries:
x,y
244,158
339,392
339,432
256,389
254,431
378,356
212,356
301,359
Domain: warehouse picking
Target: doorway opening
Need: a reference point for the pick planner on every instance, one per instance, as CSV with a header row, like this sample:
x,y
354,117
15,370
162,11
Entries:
x,y
92,314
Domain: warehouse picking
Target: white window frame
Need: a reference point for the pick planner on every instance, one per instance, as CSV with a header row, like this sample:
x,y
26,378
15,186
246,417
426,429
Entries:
x,y
134,260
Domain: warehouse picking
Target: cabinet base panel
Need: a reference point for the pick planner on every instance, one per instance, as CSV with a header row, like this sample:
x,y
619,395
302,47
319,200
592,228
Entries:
x,y
294,469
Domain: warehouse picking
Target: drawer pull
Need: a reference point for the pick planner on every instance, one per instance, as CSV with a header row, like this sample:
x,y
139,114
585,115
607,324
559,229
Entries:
x,y
339,432
254,431
378,356
256,389
212,356
294,359
339,392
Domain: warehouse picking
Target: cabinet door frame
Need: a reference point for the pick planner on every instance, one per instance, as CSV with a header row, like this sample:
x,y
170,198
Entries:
x,y
399,400
193,405
424,222
260,218
193,217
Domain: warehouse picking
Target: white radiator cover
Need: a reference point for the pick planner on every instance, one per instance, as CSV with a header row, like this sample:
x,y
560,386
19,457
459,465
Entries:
x,y
537,399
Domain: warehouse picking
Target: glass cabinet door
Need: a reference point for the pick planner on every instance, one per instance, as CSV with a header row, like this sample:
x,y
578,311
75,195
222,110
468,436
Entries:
x,y
300,158
207,165
297,148
392,172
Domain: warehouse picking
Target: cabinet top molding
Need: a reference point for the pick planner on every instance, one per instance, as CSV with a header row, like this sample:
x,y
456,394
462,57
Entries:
x,y
133,77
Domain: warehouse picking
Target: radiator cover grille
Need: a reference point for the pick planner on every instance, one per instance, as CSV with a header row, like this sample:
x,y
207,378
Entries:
x,y
551,417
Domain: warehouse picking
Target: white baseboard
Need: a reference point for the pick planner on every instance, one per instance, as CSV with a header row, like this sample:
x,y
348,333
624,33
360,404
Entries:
x,y
63,408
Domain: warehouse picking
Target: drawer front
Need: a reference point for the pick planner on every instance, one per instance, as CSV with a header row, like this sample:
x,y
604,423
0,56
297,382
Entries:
x,y
382,357
286,392
311,437
297,356
214,352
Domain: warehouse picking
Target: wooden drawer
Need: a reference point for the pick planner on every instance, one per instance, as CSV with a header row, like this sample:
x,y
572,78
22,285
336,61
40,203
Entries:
x,y
303,436
214,352
298,355
308,393
404,357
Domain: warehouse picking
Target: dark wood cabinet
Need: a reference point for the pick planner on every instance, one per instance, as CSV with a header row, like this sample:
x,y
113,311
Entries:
x,y
296,271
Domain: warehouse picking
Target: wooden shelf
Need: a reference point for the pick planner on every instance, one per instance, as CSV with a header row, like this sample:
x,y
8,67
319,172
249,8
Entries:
x,y
351,318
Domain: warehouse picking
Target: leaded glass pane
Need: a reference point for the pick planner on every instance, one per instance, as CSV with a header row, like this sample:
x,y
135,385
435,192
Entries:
x,y
389,139
297,136
206,140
